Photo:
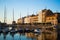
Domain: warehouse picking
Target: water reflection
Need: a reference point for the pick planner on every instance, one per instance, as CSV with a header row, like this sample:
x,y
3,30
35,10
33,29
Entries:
x,y
16,36
9,37
1,36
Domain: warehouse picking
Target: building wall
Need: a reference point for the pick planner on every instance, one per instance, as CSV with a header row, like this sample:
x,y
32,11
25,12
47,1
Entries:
x,y
40,17
54,19
21,20
31,19
46,16
43,16
51,19
34,19
57,17
27,20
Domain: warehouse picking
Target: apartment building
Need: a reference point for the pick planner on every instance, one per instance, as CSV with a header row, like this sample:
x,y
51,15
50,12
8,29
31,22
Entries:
x,y
44,16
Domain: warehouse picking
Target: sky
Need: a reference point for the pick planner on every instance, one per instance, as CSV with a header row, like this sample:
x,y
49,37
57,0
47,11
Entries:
x,y
25,7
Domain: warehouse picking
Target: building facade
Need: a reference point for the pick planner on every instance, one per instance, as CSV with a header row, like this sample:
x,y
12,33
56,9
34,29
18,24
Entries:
x,y
44,16
47,16
27,19
33,18
20,21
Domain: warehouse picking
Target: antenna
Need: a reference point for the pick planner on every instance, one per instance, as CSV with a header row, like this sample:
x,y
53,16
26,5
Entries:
x,y
5,14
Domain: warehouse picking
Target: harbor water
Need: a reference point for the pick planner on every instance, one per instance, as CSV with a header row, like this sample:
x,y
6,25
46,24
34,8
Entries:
x,y
48,35
16,36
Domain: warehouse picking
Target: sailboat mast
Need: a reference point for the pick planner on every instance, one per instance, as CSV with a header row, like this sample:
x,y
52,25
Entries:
x,y
13,14
20,14
5,14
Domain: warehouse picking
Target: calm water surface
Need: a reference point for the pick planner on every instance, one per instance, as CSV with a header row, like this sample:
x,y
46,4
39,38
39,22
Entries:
x,y
16,36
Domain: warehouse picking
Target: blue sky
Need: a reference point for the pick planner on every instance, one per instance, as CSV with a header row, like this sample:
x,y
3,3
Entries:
x,y
26,6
